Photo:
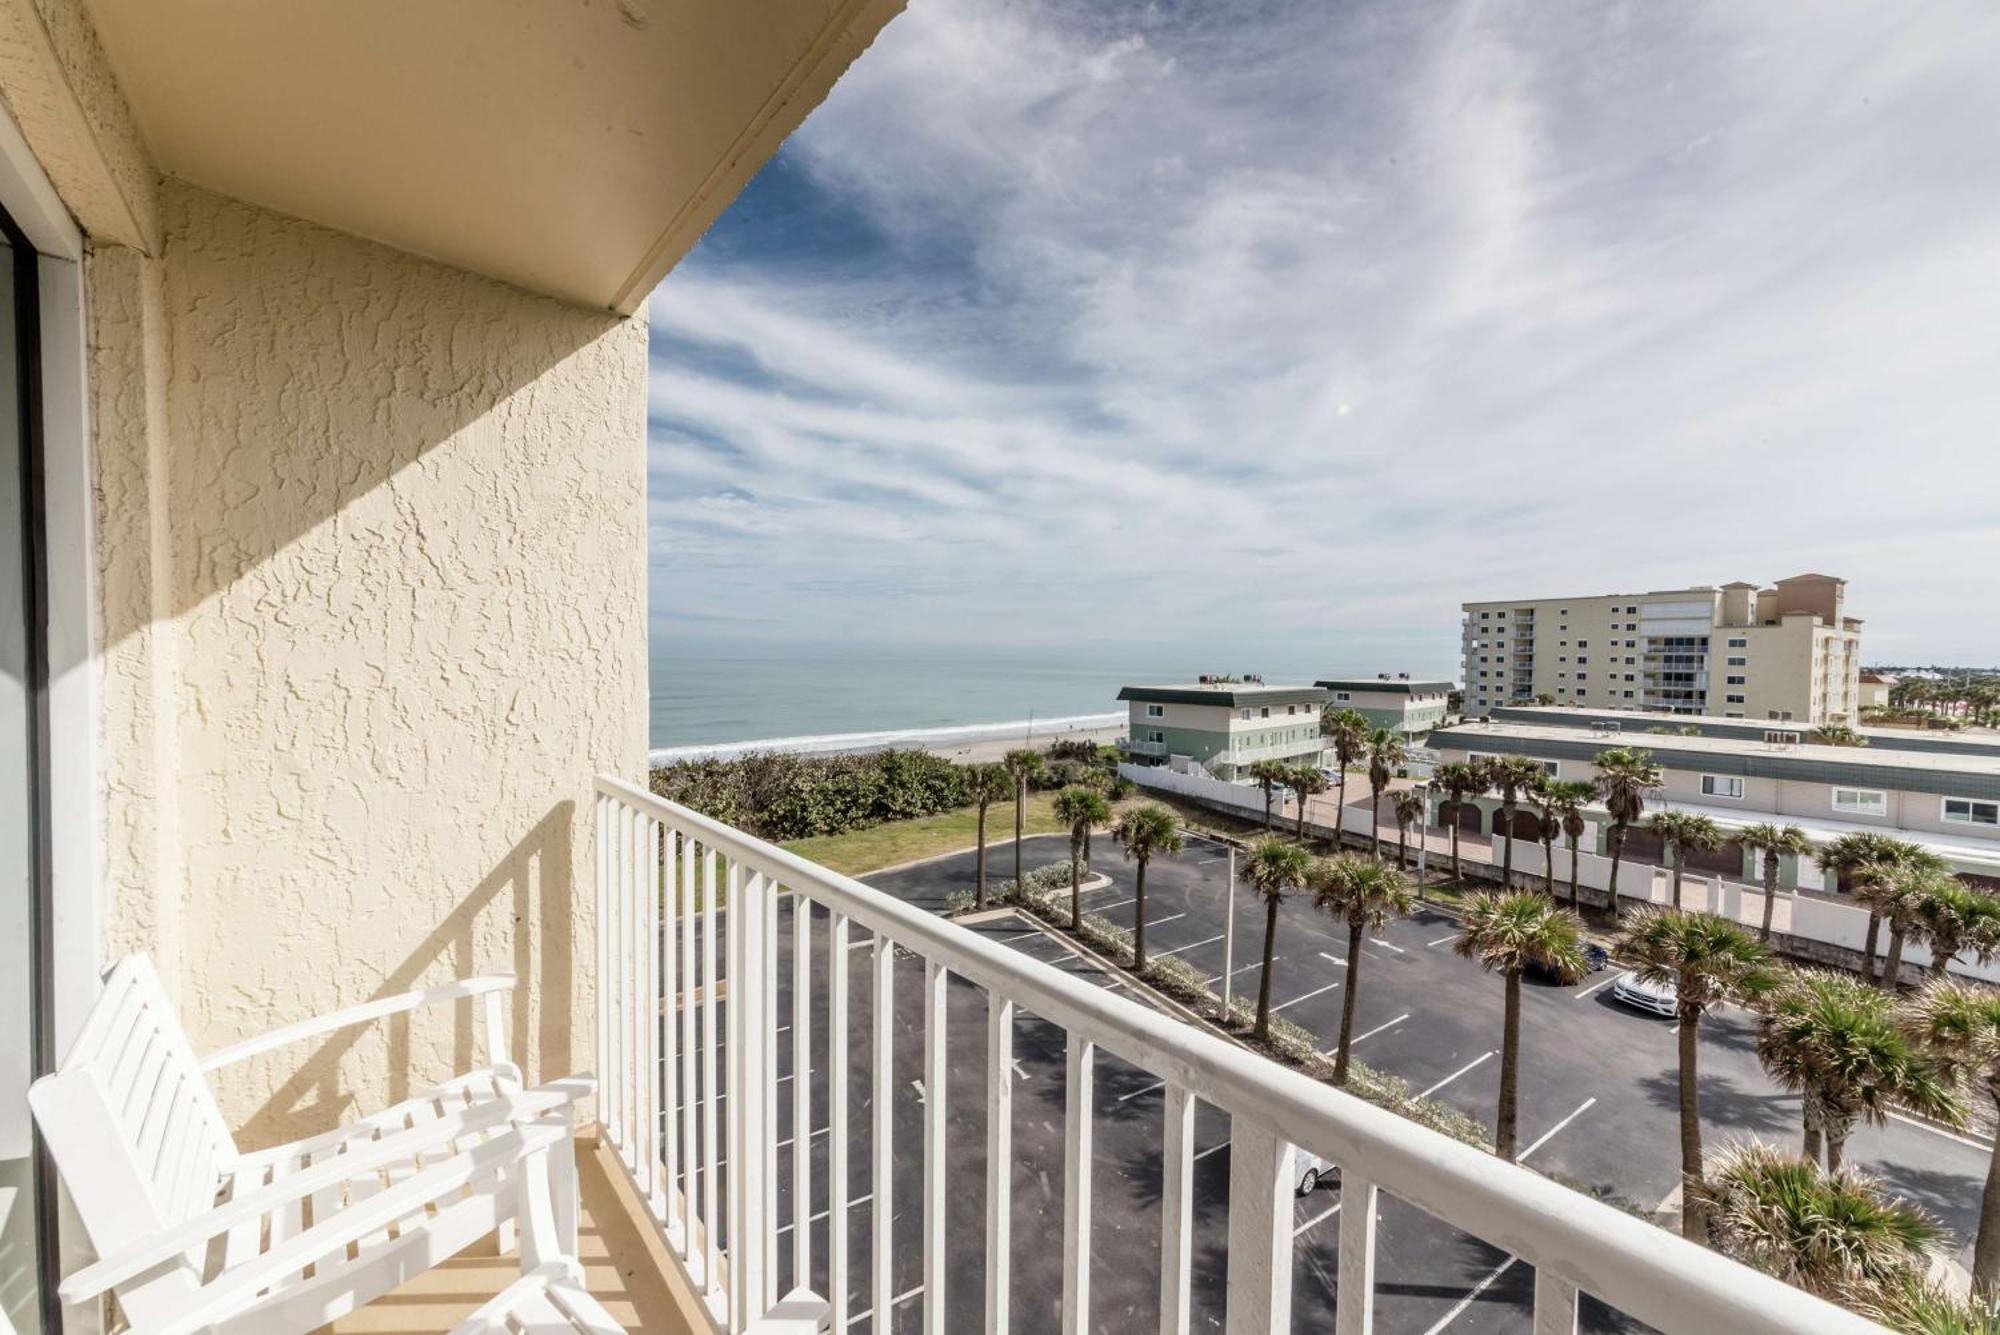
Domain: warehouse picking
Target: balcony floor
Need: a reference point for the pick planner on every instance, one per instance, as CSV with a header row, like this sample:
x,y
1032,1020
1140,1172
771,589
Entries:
x,y
621,1268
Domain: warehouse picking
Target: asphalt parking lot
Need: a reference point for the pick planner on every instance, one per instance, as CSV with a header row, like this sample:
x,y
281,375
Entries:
x,y
1598,1109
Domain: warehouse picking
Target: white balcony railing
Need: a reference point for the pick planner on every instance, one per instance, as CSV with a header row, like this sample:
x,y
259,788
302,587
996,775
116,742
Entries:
x,y
704,1148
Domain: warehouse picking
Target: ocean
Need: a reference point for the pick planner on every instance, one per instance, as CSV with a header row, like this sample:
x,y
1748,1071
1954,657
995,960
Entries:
x,y
710,692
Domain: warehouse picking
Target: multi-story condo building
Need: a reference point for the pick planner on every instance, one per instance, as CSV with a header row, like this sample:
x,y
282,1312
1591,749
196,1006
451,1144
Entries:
x,y
1787,652
1224,727
1410,708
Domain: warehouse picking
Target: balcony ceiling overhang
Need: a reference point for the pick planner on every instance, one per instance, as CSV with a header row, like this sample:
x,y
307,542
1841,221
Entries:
x,y
576,148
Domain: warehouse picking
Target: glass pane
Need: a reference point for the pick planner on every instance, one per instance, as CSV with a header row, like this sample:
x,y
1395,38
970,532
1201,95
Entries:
x,y
18,1271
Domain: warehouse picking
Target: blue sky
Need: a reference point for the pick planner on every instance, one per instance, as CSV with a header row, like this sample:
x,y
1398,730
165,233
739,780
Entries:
x,y
1288,327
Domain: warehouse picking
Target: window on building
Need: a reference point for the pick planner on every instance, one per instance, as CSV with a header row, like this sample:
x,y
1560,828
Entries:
x,y
1582,659
1738,642
1732,699
1344,696
1733,713
1583,644
1735,681
1970,811
1245,716
1156,736
1628,694
1264,711
1722,785
1156,711
1861,801
1739,662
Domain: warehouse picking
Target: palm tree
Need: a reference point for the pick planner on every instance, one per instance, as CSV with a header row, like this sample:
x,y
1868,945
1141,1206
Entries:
x,y
1562,802
1951,918
1831,1233
1079,808
1347,733
1275,869
1545,824
1512,775
1626,778
1833,1039
987,784
1144,832
1270,775
1681,831
1304,781
1894,890
1853,854
1460,781
1409,808
1367,893
1024,765
1774,843
1837,734
1707,960
1960,1024
1385,752
1507,933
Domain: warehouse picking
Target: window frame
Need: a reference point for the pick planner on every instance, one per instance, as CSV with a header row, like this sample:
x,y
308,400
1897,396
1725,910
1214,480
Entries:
x,y
1837,789
1734,779
1945,816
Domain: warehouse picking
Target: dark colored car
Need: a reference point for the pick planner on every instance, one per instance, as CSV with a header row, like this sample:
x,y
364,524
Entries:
x,y
1595,957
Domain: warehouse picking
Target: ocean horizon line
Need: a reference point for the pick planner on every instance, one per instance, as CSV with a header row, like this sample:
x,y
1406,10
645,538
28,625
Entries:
x,y
883,739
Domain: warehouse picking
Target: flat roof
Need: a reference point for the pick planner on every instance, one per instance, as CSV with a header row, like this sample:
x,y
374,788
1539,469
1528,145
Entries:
x,y
1934,762
1394,685
1974,742
1227,693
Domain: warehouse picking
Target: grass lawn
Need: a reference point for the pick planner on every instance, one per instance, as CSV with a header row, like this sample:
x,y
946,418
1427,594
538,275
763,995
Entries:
x,y
860,851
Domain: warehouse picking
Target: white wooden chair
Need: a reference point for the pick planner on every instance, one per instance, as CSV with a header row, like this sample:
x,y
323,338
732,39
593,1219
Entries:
x,y
193,1234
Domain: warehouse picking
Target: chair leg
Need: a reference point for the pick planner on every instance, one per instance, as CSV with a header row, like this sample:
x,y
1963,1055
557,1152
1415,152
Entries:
x,y
566,1192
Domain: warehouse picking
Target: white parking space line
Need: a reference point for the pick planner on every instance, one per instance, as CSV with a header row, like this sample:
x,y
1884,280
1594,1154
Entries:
x,y
1222,1145
1205,941
1155,922
1922,1125
1547,1135
1378,941
894,1302
1307,997
1157,1084
1473,1296
1595,986
853,1204
1333,959
1441,940
1476,1061
1386,1024
1019,936
1246,968
1320,1218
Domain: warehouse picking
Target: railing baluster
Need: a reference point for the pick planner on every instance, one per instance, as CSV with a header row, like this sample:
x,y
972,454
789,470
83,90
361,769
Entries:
x,y
735,922
691,1221
1176,1211
999,1159
628,939
711,1184
749,1087
1077,1154
1555,1304
882,1239
621,929
836,1117
767,1092
603,994
664,991
1260,1231
1354,1284
937,1162
802,1126
642,1139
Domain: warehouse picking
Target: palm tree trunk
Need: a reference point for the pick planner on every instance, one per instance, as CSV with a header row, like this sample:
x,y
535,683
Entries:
x,y
1575,906
1770,894
1347,1005
1267,806
1674,849
1617,855
1457,874
1402,845
1836,1143
1868,945
1892,967
1340,809
1020,805
1263,1027
1548,861
1374,820
1139,919
1075,883
1812,1137
980,897
1507,857
1505,1137
1986,1249
1302,816
1940,958
1694,1190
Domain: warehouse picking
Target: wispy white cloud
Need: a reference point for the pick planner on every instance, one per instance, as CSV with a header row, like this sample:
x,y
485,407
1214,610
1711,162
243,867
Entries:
x,y
1274,322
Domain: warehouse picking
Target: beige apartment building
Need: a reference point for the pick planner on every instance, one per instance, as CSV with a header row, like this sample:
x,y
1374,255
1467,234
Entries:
x,y
1787,652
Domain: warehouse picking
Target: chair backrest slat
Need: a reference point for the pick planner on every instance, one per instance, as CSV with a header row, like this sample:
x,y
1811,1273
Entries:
x,y
133,1126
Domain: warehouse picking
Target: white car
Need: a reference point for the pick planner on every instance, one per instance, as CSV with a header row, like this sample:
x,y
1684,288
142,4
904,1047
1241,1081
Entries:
x,y
1659,998
1308,1169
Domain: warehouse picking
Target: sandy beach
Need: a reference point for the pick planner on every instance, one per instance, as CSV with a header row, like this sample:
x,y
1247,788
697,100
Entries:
x,y
993,748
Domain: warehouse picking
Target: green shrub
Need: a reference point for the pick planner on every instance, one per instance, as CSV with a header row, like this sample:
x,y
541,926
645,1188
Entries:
x,y
959,901
780,796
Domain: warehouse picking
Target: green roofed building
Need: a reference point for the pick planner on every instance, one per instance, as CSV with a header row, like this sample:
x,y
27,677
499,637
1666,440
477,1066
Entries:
x,y
1409,708
1224,727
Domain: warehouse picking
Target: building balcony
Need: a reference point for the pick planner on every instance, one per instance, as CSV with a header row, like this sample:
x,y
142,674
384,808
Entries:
x,y
908,1204
1137,747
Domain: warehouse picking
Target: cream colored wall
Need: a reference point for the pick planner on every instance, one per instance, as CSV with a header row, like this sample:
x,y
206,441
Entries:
x,y
371,587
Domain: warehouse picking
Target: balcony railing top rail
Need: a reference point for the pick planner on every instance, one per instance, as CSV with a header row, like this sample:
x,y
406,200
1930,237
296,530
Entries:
x,y
647,959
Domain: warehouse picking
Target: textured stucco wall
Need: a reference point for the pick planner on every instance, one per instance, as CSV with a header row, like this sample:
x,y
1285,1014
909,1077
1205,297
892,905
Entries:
x,y
407,561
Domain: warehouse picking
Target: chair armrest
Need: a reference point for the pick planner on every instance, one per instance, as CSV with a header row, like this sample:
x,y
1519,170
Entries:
x,y
136,1258
236,1290
364,1013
